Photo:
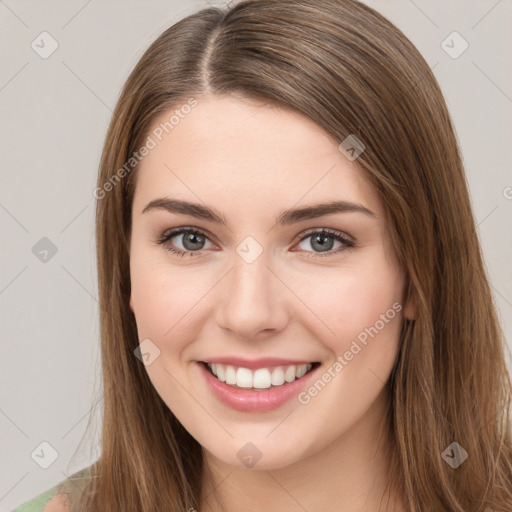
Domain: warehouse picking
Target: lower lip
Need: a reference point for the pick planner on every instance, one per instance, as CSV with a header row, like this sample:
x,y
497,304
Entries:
x,y
245,400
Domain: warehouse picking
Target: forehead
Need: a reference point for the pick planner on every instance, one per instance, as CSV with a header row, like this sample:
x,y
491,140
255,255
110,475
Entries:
x,y
238,153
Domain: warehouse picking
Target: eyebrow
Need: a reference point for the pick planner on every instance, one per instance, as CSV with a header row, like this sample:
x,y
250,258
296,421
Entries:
x,y
285,218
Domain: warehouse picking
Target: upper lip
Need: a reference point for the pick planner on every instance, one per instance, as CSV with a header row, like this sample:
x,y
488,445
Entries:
x,y
263,362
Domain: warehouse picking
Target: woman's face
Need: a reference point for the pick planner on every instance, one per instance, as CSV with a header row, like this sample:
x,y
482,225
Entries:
x,y
257,288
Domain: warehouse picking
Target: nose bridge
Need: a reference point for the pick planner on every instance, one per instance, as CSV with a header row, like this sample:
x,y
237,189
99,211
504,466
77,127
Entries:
x,y
250,279
251,300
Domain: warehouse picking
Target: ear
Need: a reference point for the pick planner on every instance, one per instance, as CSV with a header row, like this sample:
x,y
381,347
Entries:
x,y
411,307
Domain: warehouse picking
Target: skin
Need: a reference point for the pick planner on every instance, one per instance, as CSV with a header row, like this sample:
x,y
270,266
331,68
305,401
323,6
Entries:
x,y
251,161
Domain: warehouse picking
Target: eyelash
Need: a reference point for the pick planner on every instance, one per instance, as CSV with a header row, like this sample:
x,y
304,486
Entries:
x,y
338,236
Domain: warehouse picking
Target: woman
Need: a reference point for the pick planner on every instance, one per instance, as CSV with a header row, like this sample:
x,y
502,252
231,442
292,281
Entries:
x,y
295,312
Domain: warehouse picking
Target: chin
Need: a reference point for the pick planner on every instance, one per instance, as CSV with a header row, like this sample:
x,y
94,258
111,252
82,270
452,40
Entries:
x,y
259,454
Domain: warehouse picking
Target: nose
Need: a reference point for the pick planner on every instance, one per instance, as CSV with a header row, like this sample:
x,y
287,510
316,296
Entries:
x,y
252,302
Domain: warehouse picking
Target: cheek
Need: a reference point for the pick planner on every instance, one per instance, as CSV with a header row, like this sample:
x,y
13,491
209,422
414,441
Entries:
x,y
348,301
363,311
358,303
167,302
160,301
165,307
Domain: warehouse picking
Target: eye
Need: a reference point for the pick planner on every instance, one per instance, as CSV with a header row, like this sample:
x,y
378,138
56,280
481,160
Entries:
x,y
323,241
193,241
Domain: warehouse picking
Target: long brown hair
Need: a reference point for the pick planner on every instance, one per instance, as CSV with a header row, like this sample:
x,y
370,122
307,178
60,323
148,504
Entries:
x,y
343,65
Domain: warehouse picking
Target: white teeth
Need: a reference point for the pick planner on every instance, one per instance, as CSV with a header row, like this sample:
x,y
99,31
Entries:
x,y
244,378
230,375
262,378
301,370
289,374
277,376
221,373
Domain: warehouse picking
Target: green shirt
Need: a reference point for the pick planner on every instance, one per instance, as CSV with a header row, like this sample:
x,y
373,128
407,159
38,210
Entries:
x,y
38,503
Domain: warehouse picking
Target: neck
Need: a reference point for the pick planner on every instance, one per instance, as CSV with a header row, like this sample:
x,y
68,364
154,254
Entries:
x,y
351,474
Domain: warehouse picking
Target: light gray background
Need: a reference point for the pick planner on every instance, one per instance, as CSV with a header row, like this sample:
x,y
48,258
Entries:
x,y
54,114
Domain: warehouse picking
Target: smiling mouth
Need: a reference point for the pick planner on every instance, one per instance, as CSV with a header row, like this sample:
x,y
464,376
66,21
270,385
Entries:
x,y
261,378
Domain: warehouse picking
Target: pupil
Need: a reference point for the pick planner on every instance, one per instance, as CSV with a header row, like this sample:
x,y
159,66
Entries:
x,y
322,245
193,239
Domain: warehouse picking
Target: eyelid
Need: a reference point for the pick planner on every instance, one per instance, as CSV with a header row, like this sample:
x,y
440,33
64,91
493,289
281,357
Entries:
x,y
301,236
347,240
171,233
330,231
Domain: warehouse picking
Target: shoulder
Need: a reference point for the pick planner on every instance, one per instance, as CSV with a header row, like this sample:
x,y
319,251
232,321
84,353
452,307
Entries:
x,y
49,501
58,503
